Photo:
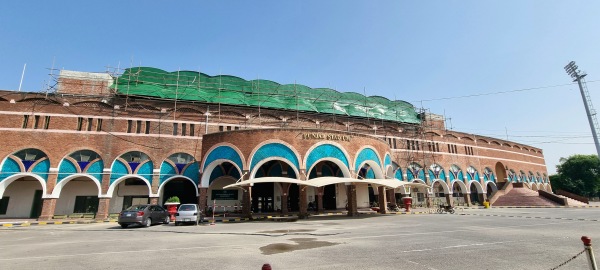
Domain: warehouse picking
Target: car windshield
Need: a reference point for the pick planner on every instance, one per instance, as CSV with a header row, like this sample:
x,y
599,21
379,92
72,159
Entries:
x,y
136,208
187,207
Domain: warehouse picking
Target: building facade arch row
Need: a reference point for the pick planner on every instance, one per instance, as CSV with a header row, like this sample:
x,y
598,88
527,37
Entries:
x,y
437,171
176,151
133,150
115,183
265,160
162,185
442,183
345,170
91,167
364,153
374,166
89,147
274,148
477,185
36,160
184,166
8,180
461,185
341,154
218,151
209,168
61,184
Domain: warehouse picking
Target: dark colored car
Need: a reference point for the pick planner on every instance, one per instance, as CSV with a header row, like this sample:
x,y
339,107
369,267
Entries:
x,y
144,215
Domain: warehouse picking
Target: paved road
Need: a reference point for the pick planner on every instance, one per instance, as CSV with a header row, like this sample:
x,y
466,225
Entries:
x,y
472,239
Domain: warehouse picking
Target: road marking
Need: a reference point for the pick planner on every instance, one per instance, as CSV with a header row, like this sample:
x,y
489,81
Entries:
x,y
430,268
461,246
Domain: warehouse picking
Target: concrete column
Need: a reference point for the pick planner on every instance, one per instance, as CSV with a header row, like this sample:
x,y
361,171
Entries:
x,y
320,199
202,198
449,199
155,182
391,197
48,206
382,200
428,200
467,197
103,208
482,197
105,183
153,200
352,204
303,203
284,198
247,202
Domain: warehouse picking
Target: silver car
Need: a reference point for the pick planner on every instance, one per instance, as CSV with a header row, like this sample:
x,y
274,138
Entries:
x,y
143,214
188,213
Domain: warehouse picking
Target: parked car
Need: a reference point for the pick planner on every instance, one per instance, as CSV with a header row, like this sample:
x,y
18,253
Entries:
x,y
188,213
144,215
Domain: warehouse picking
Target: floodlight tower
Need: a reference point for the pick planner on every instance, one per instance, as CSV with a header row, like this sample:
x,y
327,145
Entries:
x,y
578,76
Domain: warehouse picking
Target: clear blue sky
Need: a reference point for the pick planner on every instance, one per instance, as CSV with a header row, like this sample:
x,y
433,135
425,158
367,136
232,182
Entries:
x,y
409,50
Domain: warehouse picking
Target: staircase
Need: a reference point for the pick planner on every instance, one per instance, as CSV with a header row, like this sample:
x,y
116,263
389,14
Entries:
x,y
522,196
572,202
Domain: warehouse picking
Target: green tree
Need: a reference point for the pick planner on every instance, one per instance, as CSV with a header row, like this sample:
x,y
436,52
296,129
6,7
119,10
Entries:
x,y
579,174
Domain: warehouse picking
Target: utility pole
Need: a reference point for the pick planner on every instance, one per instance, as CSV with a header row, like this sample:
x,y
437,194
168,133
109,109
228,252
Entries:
x,y
578,76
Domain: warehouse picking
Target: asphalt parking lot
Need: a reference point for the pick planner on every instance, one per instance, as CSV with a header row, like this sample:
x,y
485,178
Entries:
x,y
471,239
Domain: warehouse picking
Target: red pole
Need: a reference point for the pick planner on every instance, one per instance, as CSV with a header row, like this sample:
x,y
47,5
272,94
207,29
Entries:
x,y
587,244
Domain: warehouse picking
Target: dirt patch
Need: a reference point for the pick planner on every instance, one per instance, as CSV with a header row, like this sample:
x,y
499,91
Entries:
x,y
301,243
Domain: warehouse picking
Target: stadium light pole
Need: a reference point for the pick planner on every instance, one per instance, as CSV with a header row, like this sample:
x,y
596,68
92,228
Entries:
x,y
578,75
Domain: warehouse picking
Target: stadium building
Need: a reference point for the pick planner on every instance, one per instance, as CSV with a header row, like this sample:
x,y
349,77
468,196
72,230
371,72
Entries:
x,y
98,143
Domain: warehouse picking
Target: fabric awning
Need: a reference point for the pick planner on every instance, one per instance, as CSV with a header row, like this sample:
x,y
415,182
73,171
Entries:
x,y
268,180
328,180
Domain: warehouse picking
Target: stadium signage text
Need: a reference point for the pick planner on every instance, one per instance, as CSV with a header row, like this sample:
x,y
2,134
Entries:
x,y
324,136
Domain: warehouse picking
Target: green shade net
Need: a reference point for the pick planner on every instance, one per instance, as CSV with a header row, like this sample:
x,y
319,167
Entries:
x,y
231,90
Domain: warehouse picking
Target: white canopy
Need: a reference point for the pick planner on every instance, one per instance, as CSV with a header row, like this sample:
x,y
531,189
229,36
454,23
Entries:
x,y
268,180
324,181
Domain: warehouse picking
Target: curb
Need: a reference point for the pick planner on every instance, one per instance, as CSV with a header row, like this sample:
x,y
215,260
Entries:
x,y
489,215
575,206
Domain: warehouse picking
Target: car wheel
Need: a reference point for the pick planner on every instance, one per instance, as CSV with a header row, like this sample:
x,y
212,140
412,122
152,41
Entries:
x,y
148,222
167,220
123,225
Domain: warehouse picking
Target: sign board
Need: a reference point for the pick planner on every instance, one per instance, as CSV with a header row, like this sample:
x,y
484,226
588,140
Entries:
x,y
226,195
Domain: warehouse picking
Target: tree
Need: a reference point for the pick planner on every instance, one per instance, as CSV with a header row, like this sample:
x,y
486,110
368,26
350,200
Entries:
x,y
578,174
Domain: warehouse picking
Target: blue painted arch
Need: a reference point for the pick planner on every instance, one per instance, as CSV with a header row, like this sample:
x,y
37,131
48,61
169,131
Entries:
x,y
274,150
223,152
364,155
326,151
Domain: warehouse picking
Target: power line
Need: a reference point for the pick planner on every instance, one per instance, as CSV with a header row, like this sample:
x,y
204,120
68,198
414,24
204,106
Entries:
x,y
501,92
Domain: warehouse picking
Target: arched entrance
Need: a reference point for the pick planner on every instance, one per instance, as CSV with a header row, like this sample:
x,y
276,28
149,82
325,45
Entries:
x,y
331,194
264,197
76,194
476,195
440,190
181,187
458,192
501,175
22,197
490,188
